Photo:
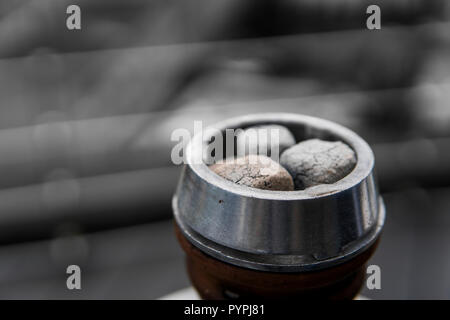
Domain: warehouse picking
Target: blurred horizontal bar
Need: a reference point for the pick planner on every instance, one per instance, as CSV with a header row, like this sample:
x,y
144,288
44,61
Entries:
x,y
112,24
101,202
146,258
422,162
115,24
138,142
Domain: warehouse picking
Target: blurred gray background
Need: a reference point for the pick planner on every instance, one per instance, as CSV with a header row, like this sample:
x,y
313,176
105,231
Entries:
x,y
86,117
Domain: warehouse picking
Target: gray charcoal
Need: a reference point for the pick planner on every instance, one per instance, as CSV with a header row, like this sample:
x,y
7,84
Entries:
x,y
314,162
257,172
286,140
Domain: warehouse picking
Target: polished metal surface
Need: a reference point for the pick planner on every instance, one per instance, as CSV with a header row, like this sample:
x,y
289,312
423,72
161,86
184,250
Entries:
x,y
284,231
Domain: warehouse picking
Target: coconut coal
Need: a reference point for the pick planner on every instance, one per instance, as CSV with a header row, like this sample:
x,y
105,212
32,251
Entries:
x,y
255,171
262,139
313,162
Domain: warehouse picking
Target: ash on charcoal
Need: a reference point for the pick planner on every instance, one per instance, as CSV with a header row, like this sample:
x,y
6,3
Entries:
x,y
313,162
255,171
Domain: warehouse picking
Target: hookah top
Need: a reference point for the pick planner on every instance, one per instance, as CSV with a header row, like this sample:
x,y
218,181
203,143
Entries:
x,y
280,231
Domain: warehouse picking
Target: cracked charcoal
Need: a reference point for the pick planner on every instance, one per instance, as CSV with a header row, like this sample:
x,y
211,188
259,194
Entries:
x,y
313,162
257,172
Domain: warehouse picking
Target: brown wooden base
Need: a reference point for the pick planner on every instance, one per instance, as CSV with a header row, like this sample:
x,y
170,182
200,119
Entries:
x,y
217,280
